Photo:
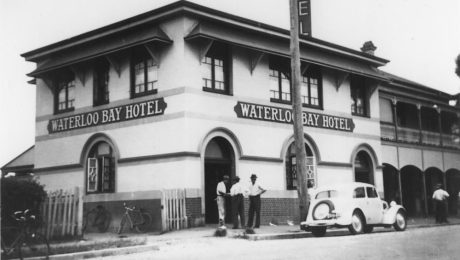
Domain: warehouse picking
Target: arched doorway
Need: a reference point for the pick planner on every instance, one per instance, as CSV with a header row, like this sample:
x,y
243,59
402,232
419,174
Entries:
x,y
219,161
291,170
433,176
412,190
391,183
363,168
453,188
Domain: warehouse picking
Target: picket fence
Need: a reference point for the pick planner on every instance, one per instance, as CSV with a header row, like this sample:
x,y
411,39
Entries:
x,y
62,213
174,215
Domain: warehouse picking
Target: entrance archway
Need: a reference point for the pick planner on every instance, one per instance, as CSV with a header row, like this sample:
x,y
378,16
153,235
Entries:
x,y
453,188
219,161
391,183
363,168
412,190
433,176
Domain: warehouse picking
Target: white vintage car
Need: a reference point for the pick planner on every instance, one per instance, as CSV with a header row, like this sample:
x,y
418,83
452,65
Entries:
x,y
354,205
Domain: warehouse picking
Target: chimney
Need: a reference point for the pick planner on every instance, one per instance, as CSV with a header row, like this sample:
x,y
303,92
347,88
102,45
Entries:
x,y
368,47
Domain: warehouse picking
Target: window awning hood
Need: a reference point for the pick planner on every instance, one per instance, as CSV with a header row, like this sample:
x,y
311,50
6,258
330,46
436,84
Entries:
x,y
78,52
310,51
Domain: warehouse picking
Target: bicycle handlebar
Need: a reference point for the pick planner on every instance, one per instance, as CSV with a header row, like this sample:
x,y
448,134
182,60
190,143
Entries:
x,y
128,208
23,216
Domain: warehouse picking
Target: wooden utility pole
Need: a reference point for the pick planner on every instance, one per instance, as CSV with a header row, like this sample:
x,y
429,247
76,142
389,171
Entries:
x,y
301,155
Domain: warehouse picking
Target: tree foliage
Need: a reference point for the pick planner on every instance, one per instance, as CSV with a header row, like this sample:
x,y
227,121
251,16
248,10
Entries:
x,y
19,194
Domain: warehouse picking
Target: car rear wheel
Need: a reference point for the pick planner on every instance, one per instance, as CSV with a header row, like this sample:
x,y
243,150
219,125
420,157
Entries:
x,y
400,221
357,224
318,231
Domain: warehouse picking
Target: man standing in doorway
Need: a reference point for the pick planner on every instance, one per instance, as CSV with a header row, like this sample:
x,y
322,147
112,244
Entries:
x,y
255,190
221,193
237,193
440,199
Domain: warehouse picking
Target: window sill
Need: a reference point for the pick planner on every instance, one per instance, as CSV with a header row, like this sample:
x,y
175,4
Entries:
x,y
64,111
217,91
143,94
100,103
313,107
360,115
274,100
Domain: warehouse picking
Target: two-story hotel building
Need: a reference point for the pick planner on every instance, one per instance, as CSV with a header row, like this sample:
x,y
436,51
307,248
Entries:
x,y
181,95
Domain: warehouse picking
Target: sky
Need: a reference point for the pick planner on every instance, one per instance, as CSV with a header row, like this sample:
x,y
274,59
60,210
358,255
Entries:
x,y
421,38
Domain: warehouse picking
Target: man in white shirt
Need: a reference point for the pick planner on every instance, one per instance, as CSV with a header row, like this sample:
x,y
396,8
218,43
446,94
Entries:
x,y
440,199
255,190
237,192
221,193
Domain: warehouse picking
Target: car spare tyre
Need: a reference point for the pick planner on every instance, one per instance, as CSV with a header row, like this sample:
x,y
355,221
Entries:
x,y
323,210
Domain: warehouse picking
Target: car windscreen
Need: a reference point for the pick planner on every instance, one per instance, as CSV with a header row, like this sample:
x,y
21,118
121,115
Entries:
x,y
326,194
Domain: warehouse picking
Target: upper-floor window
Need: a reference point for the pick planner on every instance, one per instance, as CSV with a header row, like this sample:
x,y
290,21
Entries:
x,y
144,74
215,68
359,102
65,92
101,83
311,88
280,84
386,110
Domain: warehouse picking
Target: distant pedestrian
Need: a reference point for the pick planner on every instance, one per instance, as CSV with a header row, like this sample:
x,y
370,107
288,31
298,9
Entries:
x,y
440,200
221,193
237,192
255,190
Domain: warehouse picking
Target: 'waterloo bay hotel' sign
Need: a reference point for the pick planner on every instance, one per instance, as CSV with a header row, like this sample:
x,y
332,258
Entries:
x,y
107,116
284,115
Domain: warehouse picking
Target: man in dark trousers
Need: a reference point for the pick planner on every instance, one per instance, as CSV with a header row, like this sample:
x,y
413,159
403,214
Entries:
x,y
237,193
440,199
254,201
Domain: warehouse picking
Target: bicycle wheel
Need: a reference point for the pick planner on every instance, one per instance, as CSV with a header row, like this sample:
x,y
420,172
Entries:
x,y
102,221
36,245
122,223
146,223
11,240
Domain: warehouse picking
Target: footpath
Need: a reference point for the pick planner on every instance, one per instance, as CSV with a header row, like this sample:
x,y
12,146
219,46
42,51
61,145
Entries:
x,y
108,244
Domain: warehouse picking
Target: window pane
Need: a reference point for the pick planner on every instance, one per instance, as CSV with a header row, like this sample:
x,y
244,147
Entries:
x,y
274,87
139,74
152,74
71,94
359,193
304,90
219,74
314,94
371,193
206,72
285,88
386,110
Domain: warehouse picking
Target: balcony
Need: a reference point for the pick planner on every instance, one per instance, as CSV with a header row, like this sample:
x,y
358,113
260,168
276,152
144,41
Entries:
x,y
415,136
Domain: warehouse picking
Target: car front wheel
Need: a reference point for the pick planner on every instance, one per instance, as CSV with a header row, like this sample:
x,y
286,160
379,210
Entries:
x,y
400,221
318,231
357,224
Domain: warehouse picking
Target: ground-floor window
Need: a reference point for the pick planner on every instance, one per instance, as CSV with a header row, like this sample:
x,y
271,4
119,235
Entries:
x,y
291,171
100,171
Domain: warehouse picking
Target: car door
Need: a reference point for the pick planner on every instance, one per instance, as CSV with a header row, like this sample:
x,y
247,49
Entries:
x,y
360,200
374,206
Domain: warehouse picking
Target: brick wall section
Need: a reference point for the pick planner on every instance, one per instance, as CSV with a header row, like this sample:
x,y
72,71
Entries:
x,y
193,208
276,210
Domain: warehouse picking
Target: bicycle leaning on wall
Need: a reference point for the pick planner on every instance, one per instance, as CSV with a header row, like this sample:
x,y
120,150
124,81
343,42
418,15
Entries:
x,y
136,218
98,218
24,234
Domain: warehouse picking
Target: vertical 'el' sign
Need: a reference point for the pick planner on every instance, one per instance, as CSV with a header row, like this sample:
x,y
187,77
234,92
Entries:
x,y
304,18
